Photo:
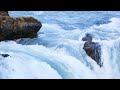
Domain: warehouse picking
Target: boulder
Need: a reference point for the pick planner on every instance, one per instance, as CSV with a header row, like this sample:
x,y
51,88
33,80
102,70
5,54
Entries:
x,y
15,28
2,56
92,49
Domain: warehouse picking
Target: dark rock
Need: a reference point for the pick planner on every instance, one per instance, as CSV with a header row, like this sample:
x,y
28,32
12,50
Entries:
x,y
87,38
15,28
92,49
4,55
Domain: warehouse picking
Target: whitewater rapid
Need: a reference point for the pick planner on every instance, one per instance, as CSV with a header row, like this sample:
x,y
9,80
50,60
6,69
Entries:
x,y
57,52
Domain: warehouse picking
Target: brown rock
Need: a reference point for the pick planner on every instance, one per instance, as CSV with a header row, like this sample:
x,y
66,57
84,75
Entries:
x,y
15,28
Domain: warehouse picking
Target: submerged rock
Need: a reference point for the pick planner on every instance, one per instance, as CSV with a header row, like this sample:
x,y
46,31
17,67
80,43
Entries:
x,y
4,55
92,49
15,28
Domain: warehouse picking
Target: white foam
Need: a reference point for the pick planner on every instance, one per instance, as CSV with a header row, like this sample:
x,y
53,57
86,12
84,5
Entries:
x,y
37,12
58,53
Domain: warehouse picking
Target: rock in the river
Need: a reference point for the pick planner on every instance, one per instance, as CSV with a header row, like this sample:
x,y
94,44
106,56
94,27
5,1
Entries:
x,y
15,28
4,55
92,49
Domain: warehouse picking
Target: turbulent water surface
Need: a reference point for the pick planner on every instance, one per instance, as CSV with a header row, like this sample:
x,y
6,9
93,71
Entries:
x,y
58,52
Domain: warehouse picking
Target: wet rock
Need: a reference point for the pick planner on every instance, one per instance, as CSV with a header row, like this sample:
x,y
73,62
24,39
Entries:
x,y
16,28
88,38
92,49
4,55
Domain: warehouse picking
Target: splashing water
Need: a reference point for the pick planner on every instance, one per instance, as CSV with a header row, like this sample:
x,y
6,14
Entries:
x,y
58,52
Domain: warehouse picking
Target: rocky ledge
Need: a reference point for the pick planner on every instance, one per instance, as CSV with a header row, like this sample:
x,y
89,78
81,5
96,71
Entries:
x,y
15,28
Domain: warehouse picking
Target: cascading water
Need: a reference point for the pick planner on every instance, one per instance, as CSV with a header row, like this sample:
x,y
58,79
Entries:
x,y
58,51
